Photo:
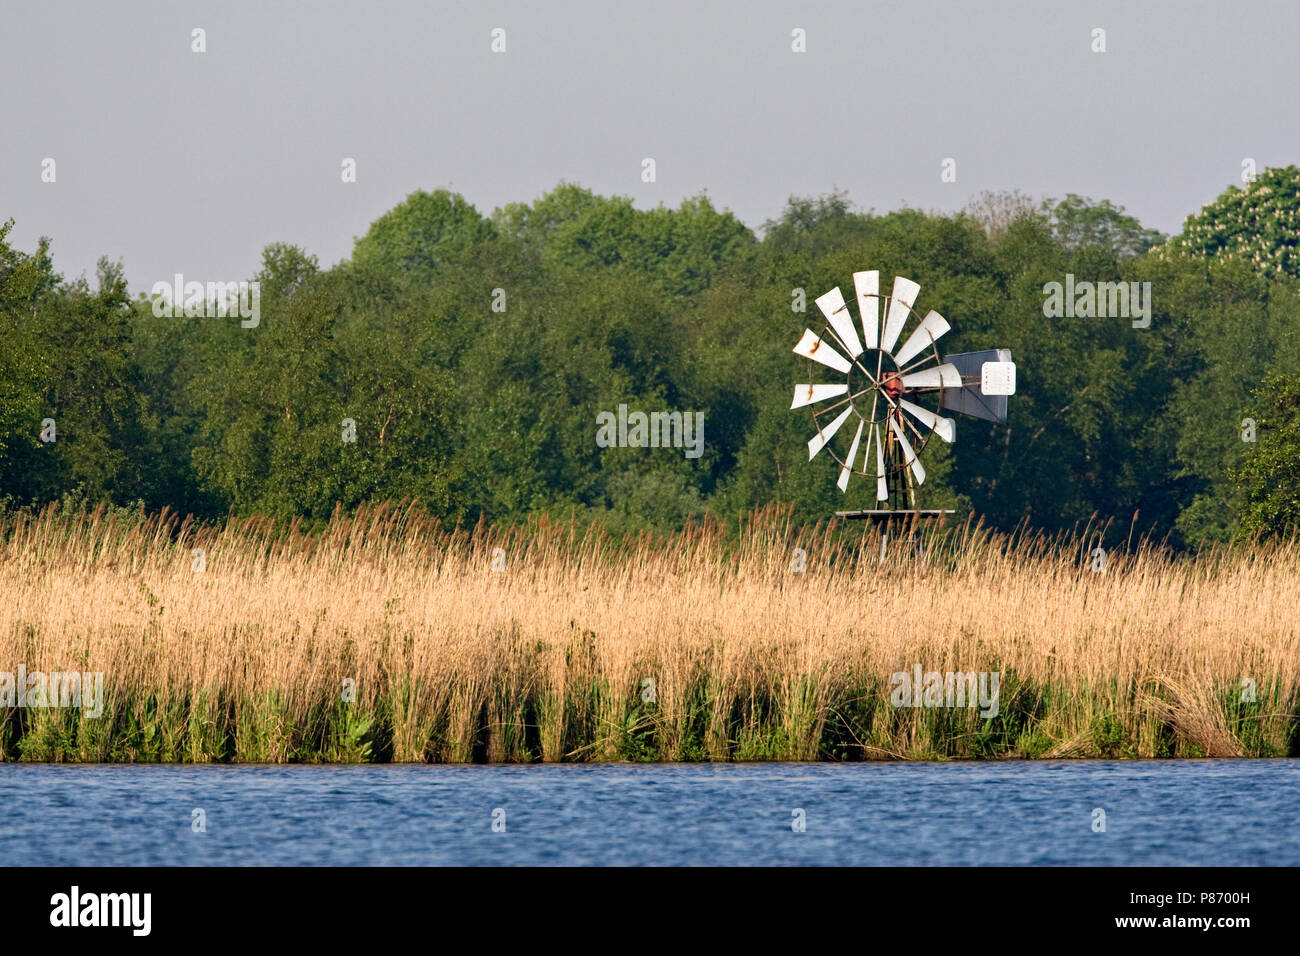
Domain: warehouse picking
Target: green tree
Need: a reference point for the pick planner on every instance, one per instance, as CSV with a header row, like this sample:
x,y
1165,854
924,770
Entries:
x,y
82,340
342,396
533,225
681,249
1083,225
1269,478
1258,224
24,281
423,233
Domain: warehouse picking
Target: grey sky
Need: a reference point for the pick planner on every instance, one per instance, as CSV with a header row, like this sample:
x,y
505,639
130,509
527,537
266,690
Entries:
x,y
184,162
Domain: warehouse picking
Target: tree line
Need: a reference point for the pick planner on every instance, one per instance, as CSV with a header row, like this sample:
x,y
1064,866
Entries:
x,y
463,359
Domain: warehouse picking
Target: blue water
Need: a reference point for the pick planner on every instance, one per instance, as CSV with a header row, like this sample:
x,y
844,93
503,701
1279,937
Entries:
x,y
1225,812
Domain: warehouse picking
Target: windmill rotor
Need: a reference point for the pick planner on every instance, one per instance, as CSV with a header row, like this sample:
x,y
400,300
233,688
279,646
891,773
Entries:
x,y
895,388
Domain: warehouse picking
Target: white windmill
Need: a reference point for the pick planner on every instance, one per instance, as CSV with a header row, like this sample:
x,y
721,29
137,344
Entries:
x,y
886,389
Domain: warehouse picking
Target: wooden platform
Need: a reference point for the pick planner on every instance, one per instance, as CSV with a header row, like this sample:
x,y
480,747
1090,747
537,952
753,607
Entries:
x,y
895,515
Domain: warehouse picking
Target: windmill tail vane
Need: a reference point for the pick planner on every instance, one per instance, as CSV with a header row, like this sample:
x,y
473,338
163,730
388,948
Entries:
x,y
894,394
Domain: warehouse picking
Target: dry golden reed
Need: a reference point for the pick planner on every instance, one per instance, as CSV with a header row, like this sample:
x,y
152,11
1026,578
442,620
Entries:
x,y
702,644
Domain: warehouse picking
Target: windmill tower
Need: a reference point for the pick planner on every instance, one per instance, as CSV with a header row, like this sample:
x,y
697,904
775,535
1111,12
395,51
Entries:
x,y
894,394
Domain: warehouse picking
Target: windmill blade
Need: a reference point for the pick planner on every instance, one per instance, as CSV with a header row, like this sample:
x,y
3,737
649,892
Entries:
x,y
945,428
941,376
900,306
808,394
837,314
882,486
867,286
818,441
848,462
810,346
909,456
931,328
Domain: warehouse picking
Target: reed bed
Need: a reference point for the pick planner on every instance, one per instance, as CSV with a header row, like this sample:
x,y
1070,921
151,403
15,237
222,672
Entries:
x,y
382,637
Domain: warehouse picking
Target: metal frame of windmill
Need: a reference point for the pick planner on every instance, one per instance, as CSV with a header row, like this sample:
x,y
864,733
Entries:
x,y
887,389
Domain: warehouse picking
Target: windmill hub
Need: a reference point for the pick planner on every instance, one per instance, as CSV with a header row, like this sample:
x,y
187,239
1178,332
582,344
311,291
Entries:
x,y
869,377
892,386
885,387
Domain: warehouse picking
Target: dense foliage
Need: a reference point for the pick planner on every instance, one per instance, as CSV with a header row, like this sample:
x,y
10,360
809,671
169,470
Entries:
x,y
473,353
1259,225
1269,479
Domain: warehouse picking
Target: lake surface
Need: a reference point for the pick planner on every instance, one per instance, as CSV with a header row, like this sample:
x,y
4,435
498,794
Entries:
x,y
1222,812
